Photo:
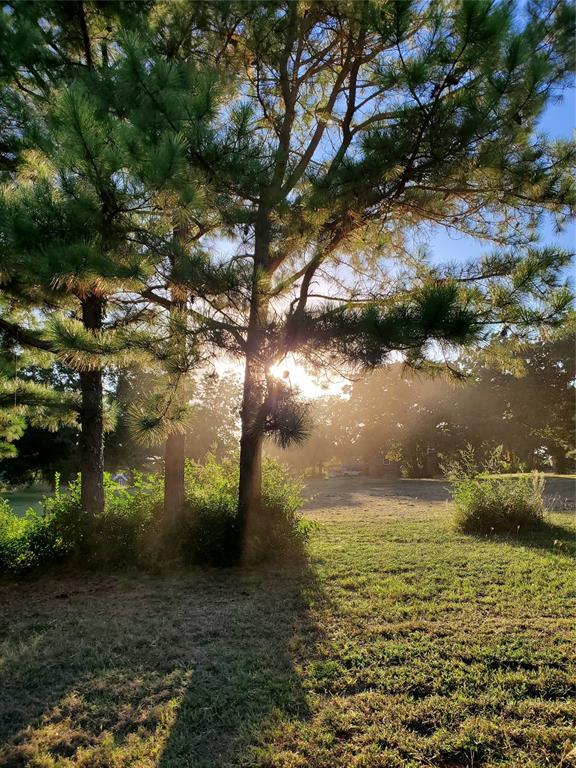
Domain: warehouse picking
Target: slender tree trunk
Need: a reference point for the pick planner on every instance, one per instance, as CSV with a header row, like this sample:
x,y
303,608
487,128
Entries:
x,y
254,393
250,485
174,448
174,495
426,471
92,421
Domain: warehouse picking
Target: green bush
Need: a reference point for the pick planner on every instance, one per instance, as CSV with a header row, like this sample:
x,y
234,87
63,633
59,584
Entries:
x,y
121,534
488,502
130,530
28,542
208,532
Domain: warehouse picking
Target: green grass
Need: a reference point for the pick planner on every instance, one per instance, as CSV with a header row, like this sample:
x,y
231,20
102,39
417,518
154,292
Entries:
x,y
550,475
401,644
20,501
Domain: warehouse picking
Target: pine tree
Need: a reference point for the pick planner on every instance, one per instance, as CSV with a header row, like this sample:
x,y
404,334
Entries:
x,y
169,95
71,205
143,86
117,117
356,124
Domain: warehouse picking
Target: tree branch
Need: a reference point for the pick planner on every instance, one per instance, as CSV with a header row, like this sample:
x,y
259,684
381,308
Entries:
x,y
24,336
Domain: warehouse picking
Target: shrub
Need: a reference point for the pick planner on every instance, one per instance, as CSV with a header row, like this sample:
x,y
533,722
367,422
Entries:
x,y
122,535
130,530
282,529
487,502
28,542
208,532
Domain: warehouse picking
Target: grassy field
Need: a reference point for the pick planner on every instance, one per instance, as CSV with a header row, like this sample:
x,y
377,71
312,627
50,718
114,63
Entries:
x,y
25,499
402,643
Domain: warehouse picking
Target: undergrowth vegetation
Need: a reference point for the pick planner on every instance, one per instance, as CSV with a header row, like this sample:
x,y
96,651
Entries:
x,y
487,501
131,531
208,530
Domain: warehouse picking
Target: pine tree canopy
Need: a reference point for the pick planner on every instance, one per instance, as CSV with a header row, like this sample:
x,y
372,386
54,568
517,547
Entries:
x,y
185,177
347,127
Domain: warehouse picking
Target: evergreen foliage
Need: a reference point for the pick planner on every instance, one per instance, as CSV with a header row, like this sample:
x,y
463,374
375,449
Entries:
x,y
319,139
352,126
97,190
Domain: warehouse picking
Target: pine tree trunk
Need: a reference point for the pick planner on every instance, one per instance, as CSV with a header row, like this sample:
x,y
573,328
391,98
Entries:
x,y
174,449
174,495
250,485
92,421
426,471
254,393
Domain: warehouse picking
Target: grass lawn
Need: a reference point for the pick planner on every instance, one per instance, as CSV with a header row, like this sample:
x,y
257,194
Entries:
x,y
20,501
401,644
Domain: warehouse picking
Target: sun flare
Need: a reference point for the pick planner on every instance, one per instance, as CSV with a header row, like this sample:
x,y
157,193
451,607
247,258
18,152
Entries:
x,y
295,374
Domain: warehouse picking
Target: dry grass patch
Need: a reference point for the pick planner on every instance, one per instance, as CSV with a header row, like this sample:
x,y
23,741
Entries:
x,y
402,644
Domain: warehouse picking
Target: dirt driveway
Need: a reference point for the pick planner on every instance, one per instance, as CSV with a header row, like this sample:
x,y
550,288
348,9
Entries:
x,y
342,496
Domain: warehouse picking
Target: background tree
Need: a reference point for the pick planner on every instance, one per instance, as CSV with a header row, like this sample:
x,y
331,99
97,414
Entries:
x,y
532,414
422,422
169,92
215,417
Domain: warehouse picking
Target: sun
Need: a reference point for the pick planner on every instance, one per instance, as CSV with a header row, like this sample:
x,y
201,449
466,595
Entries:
x,y
293,373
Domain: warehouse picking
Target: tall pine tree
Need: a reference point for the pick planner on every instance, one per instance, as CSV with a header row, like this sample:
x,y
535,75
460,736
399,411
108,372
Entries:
x,y
354,125
116,118
74,199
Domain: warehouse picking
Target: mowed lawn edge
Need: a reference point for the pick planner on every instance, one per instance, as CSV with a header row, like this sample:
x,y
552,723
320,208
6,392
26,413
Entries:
x,y
400,643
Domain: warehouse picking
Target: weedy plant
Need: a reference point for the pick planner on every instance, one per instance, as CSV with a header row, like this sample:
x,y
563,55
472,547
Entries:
x,y
120,535
488,501
27,542
130,530
208,529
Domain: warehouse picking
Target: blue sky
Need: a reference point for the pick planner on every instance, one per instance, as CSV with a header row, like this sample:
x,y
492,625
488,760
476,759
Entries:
x,y
558,121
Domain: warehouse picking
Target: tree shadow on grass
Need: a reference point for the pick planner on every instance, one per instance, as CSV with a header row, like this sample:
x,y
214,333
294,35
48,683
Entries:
x,y
247,679
40,659
191,668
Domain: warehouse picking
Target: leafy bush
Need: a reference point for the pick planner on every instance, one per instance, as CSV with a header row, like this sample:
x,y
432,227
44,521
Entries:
x,y
130,530
118,536
487,502
28,542
208,532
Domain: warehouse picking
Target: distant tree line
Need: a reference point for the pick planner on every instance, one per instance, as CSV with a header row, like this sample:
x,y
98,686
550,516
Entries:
x,y
421,423
392,413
